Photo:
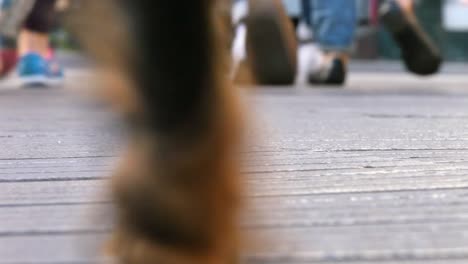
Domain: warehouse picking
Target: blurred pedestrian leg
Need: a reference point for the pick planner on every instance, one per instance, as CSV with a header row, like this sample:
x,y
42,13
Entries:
x,y
333,26
419,53
37,65
265,41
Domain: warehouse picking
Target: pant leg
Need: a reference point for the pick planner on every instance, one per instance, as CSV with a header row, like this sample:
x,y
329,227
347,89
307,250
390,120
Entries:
x,y
333,22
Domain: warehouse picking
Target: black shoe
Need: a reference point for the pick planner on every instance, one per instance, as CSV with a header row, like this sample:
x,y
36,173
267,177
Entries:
x,y
271,43
332,74
419,53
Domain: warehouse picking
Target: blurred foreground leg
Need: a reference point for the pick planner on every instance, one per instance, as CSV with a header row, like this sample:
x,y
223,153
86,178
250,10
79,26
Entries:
x,y
177,190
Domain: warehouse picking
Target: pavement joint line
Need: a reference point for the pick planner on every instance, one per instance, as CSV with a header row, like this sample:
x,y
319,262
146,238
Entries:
x,y
59,158
96,231
56,204
364,256
52,172
425,189
68,179
289,227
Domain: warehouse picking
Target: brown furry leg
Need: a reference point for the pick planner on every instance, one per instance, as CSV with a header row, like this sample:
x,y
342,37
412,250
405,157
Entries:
x,y
183,211
177,192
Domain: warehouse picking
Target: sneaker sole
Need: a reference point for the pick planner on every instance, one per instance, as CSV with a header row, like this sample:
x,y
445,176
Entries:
x,y
271,43
419,53
336,78
38,81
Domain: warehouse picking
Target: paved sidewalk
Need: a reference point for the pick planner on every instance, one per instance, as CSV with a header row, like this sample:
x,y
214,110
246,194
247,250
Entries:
x,y
373,173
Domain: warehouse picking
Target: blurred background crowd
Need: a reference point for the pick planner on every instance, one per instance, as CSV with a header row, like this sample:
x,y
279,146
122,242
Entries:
x,y
276,38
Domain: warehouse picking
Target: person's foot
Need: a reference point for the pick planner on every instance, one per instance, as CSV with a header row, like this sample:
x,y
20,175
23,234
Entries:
x,y
319,68
331,72
55,70
419,53
271,43
35,71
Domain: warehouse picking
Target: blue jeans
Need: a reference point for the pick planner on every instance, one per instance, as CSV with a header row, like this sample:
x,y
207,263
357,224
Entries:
x,y
333,22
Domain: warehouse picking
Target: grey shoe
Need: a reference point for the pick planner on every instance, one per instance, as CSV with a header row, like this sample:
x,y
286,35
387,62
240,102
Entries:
x,y
271,43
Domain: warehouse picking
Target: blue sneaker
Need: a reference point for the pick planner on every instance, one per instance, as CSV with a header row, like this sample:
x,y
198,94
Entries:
x,y
35,71
55,73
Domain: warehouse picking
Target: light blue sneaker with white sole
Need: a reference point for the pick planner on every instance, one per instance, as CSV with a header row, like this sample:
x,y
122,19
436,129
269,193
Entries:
x,y
35,71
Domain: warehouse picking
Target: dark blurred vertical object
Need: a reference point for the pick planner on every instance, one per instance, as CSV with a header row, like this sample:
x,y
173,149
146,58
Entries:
x,y
177,190
271,43
419,53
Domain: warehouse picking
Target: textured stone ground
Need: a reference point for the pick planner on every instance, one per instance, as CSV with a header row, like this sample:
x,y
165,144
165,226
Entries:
x,y
376,172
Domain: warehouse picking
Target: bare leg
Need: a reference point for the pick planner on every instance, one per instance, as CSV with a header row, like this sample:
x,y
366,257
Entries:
x,y
406,5
30,41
